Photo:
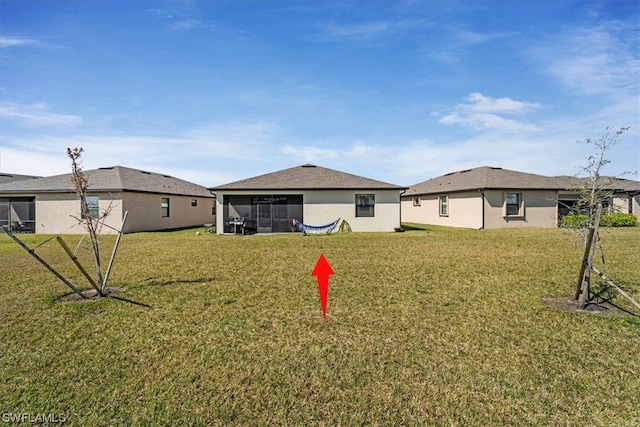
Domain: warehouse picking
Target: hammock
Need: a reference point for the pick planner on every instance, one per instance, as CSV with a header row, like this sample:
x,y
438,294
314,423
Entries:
x,y
316,229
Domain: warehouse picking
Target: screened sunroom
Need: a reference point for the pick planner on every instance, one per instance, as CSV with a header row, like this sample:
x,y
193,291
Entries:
x,y
18,214
261,213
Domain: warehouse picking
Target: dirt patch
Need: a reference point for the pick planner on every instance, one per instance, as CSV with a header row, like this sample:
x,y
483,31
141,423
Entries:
x,y
91,295
569,303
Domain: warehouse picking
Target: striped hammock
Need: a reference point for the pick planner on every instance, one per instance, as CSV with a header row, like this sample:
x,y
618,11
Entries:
x,y
316,229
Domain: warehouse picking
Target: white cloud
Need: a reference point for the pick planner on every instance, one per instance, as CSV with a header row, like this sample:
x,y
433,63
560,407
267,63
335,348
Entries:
x,y
186,24
15,41
481,112
468,37
362,31
359,150
218,152
38,115
309,154
591,61
485,104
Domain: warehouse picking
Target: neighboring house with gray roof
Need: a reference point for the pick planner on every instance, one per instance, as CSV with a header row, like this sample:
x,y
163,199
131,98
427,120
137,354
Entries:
x,y
311,194
491,197
154,201
10,177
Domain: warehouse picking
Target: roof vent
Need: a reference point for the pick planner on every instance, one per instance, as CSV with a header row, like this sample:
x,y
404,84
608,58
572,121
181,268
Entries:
x,y
308,165
167,176
148,173
450,173
108,168
496,168
466,170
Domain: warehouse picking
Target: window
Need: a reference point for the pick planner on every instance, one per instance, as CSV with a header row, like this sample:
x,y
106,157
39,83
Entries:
x,y
194,202
444,205
93,206
365,204
513,204
213,208
165,207
416,201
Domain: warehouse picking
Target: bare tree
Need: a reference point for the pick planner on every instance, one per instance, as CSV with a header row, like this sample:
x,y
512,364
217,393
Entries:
x,y
92,221
595,190
92,224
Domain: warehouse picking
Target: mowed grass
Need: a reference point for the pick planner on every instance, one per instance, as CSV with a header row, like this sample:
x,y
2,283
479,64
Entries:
x,y
427,327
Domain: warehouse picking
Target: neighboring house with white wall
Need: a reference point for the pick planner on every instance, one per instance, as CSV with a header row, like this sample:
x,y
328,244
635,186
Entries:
x,y
311,194
491,197
154,201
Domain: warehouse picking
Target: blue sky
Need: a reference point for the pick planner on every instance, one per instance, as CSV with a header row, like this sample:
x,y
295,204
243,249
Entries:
x,y
400,91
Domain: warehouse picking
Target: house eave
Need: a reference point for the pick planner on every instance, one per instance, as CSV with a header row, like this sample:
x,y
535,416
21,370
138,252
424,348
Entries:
x,y
309,189
102,190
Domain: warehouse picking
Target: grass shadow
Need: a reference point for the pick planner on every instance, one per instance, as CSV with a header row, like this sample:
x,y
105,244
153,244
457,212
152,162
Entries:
x,y
152,282
92,295
414,227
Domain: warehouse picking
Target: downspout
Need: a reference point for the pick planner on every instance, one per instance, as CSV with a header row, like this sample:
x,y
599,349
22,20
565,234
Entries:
x,y
400,207
482,199
215,220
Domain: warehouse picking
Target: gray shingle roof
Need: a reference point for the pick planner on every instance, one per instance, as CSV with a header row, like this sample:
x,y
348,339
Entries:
x,y
617,184
308,177
10,177
487,177
111,179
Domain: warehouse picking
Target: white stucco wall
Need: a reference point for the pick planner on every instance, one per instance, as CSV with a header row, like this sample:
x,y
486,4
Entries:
x,y
324,206
540,209
464,210
145,211
55,212
321,207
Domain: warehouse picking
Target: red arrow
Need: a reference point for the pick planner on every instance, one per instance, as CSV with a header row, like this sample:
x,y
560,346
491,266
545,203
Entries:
x,y
322,271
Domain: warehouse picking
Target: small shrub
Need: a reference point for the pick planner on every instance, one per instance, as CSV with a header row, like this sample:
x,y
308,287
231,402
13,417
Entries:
x,y
609,220
574,221
619,220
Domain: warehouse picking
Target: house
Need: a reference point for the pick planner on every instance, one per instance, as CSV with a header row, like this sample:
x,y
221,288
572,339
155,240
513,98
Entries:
x,y
154,201
311,194
10,177
491,197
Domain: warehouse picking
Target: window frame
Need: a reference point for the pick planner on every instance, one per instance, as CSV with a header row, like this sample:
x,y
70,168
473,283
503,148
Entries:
x,y
166,210
519,204
93,209
443,202
417,201
365,205
194,202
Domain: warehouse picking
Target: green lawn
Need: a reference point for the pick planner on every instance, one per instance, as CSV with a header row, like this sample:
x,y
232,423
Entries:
x,y
432,327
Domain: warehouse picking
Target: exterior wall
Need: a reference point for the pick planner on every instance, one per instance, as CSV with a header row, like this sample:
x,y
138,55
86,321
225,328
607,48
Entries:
x,y
145,212
635,206
621,203
540,209
55,212
464,210
324,206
